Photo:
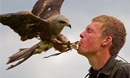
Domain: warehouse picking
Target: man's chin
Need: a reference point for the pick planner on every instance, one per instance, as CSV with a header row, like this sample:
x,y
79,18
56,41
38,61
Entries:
x,y
80,52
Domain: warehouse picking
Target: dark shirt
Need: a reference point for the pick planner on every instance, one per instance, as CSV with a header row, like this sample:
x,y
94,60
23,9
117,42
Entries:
x,y
122,72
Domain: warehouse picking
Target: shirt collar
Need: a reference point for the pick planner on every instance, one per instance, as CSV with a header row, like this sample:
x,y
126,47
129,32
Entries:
x,y
107,68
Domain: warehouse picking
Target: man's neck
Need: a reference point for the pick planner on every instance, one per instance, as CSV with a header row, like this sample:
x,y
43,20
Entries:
x,y
98,60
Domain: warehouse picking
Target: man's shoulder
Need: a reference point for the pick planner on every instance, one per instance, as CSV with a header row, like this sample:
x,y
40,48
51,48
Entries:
x,y
125,67
123,71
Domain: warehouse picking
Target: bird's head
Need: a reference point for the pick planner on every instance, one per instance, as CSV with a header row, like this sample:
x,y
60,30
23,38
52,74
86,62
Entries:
x,y
61,21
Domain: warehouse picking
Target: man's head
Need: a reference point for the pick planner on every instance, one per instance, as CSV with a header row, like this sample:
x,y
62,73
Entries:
x,y
114,28
103,31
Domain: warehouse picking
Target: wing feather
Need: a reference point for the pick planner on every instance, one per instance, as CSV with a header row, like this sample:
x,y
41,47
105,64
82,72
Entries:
x,y
26,24
47,8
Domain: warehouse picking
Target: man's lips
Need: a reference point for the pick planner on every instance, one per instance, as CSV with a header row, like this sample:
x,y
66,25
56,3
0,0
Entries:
x,y
80,42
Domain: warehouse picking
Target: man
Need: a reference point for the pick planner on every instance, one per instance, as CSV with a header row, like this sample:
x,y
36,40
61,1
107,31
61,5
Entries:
x,y
100,43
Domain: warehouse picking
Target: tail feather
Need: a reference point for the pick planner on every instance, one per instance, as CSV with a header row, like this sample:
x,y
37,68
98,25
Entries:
x,y
22,55
17,56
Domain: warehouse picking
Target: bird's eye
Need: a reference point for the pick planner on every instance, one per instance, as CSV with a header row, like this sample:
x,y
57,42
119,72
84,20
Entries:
x,y
62,22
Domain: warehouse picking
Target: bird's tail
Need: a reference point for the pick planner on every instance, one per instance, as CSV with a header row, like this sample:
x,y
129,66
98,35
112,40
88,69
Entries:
x,y
25,53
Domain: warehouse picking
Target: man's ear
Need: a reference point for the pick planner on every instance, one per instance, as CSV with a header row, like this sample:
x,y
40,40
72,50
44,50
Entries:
x,y
107,41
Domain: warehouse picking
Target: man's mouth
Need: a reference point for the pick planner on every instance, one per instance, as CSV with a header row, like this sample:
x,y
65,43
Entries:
x,y
79,42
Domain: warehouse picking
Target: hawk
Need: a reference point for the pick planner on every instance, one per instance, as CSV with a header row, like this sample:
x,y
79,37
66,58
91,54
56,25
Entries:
x,y
45,22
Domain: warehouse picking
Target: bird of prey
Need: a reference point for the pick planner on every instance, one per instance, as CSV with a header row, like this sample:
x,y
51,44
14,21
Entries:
x,y
45,22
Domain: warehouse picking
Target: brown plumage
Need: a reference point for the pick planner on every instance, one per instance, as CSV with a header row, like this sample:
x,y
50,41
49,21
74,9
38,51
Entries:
x,y
44,21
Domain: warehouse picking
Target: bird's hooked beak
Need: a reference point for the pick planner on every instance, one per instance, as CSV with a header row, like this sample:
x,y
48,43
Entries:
x,y
68,25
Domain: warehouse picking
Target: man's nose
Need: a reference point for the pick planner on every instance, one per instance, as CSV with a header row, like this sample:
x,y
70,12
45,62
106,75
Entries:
x,y
82,35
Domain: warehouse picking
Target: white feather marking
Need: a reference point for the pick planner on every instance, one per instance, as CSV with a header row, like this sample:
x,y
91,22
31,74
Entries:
x,y
49,9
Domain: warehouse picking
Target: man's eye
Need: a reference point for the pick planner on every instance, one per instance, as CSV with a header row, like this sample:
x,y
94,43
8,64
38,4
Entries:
x,y
89,30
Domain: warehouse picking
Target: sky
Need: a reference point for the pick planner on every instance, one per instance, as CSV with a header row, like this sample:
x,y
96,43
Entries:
x,y
69,64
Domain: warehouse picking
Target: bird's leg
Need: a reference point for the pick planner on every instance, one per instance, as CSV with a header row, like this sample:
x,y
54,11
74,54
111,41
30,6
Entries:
x,y
56,41
64,41
70,45
61,40
58,45
62,44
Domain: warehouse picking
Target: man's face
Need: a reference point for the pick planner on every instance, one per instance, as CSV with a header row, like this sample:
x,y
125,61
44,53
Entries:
x,y
91,39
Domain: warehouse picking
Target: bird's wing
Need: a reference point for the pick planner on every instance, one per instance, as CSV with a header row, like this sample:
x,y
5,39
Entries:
x,y
26,24
47,8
